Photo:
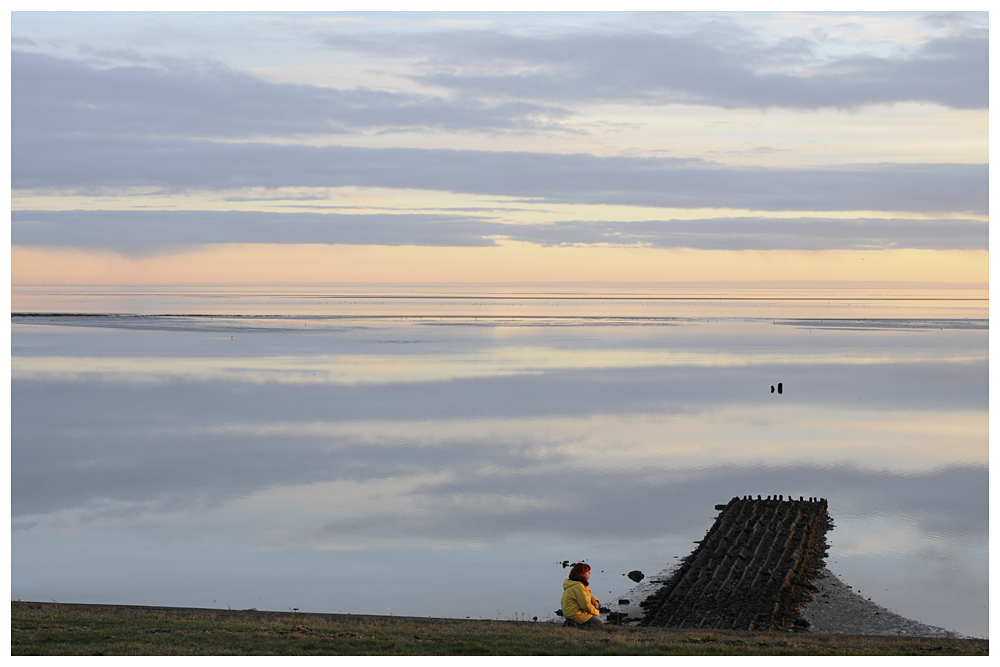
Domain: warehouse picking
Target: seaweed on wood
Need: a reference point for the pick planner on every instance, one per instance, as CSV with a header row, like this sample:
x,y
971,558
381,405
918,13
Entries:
x,y
753,570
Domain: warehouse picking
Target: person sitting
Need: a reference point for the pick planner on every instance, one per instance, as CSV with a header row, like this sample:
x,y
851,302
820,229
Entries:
x,y
579,607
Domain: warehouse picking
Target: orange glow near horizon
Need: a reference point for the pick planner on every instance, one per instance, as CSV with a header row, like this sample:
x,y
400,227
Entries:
x,y
255,264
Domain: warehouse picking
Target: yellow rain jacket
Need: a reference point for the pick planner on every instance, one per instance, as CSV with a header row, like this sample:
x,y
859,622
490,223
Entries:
x,y
577,602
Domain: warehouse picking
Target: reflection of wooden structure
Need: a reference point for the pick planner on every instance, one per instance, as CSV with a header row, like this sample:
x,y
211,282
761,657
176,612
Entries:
x,y
753,570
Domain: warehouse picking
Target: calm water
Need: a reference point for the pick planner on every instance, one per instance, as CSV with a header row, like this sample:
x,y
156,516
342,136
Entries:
x,y
441,453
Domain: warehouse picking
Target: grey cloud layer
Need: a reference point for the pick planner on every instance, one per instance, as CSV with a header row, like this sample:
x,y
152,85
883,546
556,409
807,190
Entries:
x,y
171,98
152,231
533,76
92,163
767,233
79,126
714,67
709,59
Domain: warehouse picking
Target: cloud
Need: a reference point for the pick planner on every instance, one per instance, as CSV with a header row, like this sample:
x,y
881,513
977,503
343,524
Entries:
x,y
160,231
496,81
170,97
111,124
765,233
92,163
724,69
142,232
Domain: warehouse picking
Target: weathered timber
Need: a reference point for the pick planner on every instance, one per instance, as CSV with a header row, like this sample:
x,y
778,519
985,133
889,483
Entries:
x,y
753,570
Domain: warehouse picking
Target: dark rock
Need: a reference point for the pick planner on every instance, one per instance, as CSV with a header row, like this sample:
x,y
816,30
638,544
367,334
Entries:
x,y
636,576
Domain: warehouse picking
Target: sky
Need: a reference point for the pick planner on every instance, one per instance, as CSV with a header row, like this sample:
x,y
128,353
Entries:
x,y
301,148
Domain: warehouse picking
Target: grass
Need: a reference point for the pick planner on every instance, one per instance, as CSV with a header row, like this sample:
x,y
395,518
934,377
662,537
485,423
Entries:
x,y
61,629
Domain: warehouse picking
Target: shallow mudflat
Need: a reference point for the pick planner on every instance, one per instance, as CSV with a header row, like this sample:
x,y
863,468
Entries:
x,y
317,452
837,608
60,629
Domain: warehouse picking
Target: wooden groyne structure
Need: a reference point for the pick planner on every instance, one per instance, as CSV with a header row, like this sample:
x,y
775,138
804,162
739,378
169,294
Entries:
x,y
752,571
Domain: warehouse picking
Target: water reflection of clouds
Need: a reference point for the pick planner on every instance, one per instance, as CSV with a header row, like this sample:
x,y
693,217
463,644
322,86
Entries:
x,y
466,440
79,438
883,440
380,493
372,369
884,533
78,461
478,501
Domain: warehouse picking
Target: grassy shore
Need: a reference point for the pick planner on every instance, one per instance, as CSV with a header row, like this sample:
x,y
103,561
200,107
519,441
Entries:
x,y
64,629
